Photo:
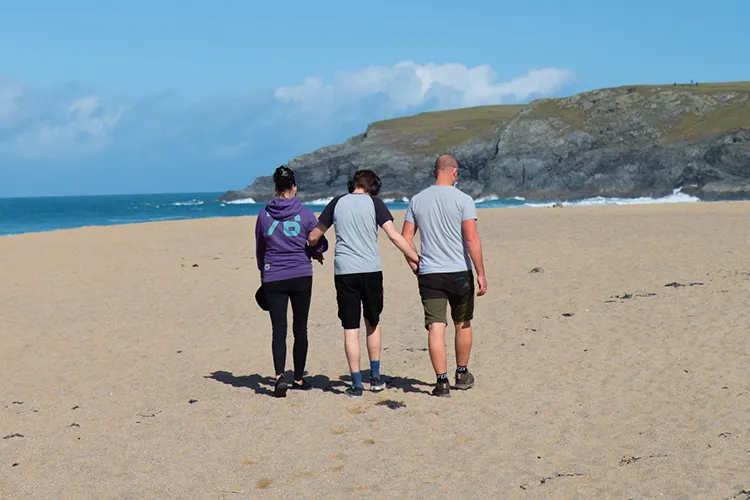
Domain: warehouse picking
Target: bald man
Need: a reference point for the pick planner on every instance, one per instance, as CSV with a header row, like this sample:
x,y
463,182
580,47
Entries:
x,y
446,219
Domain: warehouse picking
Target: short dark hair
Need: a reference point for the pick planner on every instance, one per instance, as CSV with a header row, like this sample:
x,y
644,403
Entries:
x,y
366,180
283,178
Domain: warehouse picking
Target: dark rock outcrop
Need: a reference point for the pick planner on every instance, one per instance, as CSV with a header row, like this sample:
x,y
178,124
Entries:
x,y
625,142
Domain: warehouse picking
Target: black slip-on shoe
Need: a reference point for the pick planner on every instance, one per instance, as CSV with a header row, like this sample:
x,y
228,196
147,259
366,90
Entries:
x,y
304,386
279,391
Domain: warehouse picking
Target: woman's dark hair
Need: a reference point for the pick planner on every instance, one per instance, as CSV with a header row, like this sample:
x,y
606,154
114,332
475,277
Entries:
x,y
283,178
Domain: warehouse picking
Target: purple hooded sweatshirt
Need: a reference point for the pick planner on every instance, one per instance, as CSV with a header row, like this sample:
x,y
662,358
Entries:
x,y
281,232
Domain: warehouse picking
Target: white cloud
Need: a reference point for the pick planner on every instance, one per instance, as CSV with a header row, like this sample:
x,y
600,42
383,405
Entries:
x,y
9,94
83,128
408,84
71,124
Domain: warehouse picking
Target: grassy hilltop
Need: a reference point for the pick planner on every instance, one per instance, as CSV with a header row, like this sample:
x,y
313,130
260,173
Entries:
x,y
640,140
448,129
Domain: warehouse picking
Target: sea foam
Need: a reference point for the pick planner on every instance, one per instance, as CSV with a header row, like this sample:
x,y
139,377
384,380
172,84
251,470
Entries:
x,y
243,201
191,203
677,196
320,201
484,199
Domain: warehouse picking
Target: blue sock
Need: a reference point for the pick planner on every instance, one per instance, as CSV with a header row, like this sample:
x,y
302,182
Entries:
x,y
375,369
356,379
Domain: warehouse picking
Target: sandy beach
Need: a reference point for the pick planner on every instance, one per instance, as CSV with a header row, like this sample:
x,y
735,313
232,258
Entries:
x,y
135,364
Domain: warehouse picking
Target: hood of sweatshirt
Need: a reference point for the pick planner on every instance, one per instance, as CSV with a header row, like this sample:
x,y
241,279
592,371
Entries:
x,y
284,208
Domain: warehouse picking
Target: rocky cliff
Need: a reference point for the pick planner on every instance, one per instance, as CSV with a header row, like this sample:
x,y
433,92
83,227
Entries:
x,y
625,142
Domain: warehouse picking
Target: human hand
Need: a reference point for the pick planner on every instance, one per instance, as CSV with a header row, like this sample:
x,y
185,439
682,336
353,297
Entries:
x,y
319,257
414,266
482,282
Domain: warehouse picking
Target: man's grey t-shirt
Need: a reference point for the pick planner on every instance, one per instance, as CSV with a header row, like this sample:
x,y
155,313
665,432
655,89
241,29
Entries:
x,y
438,212
356,217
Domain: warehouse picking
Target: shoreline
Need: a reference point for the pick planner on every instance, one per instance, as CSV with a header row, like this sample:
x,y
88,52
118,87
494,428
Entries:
x,y
320,207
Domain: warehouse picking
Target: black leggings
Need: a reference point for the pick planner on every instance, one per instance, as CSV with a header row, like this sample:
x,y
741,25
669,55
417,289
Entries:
x,y
278,294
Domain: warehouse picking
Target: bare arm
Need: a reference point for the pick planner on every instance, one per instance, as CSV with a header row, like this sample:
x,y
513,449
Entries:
x,y
408,232
401,243
324,222
474,244
314,237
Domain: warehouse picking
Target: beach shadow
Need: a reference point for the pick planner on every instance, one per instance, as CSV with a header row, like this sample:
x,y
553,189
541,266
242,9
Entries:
x,y
408,385
327,385
265,385
405,384
258,383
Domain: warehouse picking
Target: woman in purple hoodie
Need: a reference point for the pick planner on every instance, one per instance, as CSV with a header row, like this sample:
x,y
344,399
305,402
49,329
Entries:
x,y
284,261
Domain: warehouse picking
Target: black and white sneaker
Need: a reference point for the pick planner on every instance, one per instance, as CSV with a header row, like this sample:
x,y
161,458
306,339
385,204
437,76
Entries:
x,y
354,392
377,384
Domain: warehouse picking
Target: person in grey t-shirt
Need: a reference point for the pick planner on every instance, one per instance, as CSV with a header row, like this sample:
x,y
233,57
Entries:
x,y
446,219
358,273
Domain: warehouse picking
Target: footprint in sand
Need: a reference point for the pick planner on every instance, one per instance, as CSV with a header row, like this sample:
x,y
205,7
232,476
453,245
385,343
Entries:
x,y
264,483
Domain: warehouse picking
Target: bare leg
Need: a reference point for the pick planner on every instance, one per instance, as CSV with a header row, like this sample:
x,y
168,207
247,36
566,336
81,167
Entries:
x,y
436,344
463,342
374,340
351,347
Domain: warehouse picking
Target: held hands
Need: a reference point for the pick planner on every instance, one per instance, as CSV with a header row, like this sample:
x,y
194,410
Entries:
x,y
415,265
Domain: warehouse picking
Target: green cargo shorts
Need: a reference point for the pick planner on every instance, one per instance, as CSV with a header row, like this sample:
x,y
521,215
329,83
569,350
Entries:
x,y
438,290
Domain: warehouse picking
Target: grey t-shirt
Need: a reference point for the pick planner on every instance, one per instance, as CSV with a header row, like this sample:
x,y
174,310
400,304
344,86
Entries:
x,y
438,212
356,217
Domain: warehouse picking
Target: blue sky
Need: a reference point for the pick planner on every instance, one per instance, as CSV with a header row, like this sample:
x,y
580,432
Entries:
x,y
166,96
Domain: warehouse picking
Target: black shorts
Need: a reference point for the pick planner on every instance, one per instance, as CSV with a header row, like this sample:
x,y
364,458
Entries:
x,y
359,295
440,289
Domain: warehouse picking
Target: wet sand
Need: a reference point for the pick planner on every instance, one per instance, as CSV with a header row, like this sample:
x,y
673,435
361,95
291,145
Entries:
x,y
136,364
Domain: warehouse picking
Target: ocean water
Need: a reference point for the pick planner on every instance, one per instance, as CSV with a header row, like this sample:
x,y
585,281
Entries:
x,y
25,215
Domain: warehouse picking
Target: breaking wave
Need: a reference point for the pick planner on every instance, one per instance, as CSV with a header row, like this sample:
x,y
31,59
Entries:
x,y
677,196
243,201
191,203
320,201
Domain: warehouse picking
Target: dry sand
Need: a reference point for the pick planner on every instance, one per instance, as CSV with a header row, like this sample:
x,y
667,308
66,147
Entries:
x,y
107,334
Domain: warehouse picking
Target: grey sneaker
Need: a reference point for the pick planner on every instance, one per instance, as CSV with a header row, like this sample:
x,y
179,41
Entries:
x,y
377,384
354,392
442,389
464,380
